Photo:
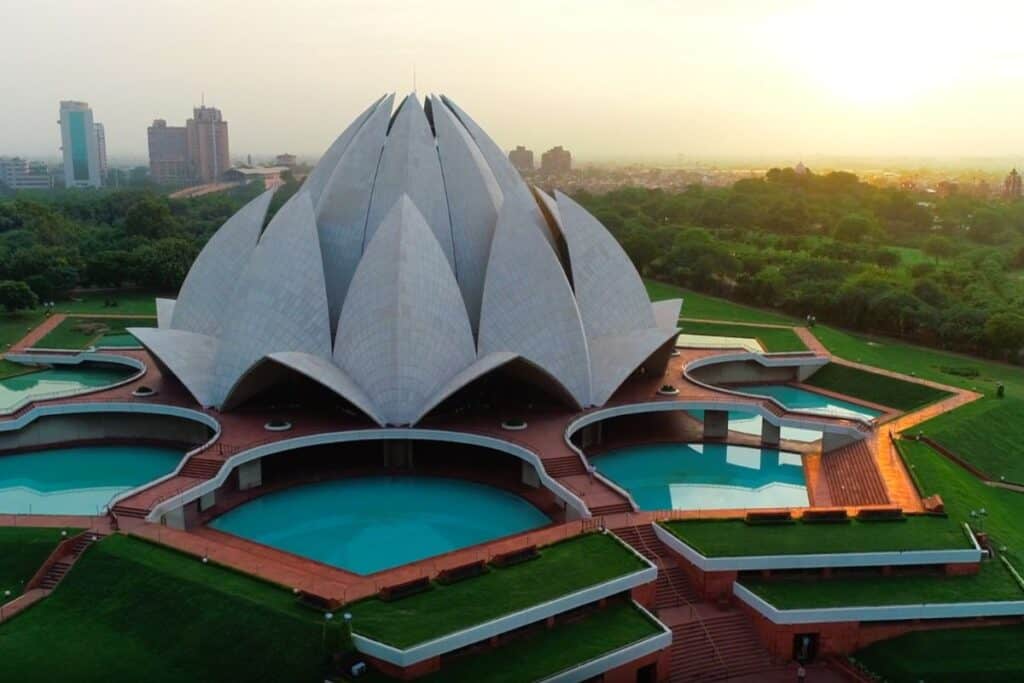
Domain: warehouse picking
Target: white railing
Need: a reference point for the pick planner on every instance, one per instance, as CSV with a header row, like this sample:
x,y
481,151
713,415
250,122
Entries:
x,y
818,560
76,359
904,612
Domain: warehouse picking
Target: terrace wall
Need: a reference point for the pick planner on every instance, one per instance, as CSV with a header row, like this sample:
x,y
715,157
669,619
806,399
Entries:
x,y
744,372
51,431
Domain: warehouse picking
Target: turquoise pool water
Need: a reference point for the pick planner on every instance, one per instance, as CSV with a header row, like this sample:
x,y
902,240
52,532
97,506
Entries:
x,y
706,476
57,382
369,524
801,399
750,423
78,481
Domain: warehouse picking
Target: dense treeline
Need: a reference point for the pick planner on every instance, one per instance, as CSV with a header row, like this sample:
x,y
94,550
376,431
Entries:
x,y
941,271
52,243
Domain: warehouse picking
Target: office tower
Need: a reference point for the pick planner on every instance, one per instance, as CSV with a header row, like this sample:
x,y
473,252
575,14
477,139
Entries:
x,y
521,158
21,174
556,161
79,145
169,162
101,148
208,144
1012,186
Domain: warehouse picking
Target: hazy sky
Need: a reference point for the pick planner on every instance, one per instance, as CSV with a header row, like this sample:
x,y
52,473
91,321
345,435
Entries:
x,y
605,78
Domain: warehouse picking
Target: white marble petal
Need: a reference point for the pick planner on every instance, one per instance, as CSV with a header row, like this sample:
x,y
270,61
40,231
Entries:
x,y
164,312
614,358
318,177
666,313
187,355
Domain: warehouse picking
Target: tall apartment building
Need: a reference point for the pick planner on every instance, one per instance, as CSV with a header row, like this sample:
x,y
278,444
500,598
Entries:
x,y
196,153
208,144
79,145
21,174
555,161
522,159
1012,186
101,148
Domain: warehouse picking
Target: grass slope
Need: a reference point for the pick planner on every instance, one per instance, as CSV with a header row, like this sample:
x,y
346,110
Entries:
x,y
22,551
697,305
949,656
870,386
773,339
989,432
81,332
961,493
562,568
133,611
734,538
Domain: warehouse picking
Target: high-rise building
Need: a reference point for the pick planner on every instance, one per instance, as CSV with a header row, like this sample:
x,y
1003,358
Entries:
x,y
556,161
522,159
169,162
208,144
1012,186
21,174
79,145
286,159
101,148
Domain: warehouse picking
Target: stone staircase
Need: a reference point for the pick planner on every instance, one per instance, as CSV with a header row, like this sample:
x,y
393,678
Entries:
x,y
130,511
716,648
852,476
673,588
565,466
612,509
54,574
201,468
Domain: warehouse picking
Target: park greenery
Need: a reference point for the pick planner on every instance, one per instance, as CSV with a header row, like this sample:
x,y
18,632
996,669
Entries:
x,y
940,271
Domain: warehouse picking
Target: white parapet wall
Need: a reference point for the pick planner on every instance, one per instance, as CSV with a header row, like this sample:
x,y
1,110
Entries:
x,y
819,560
906,612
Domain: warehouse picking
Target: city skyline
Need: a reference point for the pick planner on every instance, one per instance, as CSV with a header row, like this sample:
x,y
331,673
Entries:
x,y
787,79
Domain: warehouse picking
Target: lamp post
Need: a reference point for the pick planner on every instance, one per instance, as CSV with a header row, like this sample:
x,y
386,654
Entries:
x,y
328,617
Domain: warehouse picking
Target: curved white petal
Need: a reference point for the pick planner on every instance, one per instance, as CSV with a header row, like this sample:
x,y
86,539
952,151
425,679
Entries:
x,y
187,355
666,313
206,295
528,307
342,210
478,369
611,295
614,358
403,331
164,312
281,303
319,176
409,166
473,200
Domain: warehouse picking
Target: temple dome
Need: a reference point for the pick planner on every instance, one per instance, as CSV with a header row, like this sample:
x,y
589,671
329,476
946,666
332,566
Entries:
x,y
413,260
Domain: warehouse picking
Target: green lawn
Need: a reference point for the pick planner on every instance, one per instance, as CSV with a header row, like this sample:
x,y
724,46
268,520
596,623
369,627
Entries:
x,y
82,332
870,386
563,568
545,653
773,339
989,432
735,538
949,656
133,611
697,305
962,493
22,551
129,302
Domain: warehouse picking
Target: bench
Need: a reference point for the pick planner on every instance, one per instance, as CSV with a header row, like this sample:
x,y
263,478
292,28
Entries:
x,y
826,516
890,513
463,571
769,517
515,556
403,590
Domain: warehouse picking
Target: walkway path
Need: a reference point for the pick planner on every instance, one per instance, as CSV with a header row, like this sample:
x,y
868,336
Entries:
x,y
41,330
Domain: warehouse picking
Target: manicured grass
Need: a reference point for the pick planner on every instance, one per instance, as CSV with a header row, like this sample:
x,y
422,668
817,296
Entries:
x,y
545,653
82,332
697,305
772,339
563,568
22,551
989,432
870,386
132,611
735,538
949,656
128,302
962,493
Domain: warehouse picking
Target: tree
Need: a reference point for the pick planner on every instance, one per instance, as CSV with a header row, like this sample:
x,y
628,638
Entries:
x,y
163,264
855,227
939,247
15,295
150,217
1005,331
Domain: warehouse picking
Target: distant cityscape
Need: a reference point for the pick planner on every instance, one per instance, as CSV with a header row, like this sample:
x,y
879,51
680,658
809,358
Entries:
x,y
195,158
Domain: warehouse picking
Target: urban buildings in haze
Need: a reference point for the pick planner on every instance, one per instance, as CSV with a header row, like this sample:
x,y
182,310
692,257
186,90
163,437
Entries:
x,y
1012,186
522,159
81,145
556,161
196,153
21,174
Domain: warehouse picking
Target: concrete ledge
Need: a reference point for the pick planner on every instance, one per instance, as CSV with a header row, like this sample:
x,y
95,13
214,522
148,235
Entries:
x,y
76,359
825,615
818,560
509,622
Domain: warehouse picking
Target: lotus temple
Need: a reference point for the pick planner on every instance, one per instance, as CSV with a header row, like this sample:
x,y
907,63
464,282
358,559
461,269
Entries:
x,y
421,374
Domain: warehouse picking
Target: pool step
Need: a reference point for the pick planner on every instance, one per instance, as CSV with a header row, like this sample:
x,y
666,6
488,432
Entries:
x,y
201,468
565,466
